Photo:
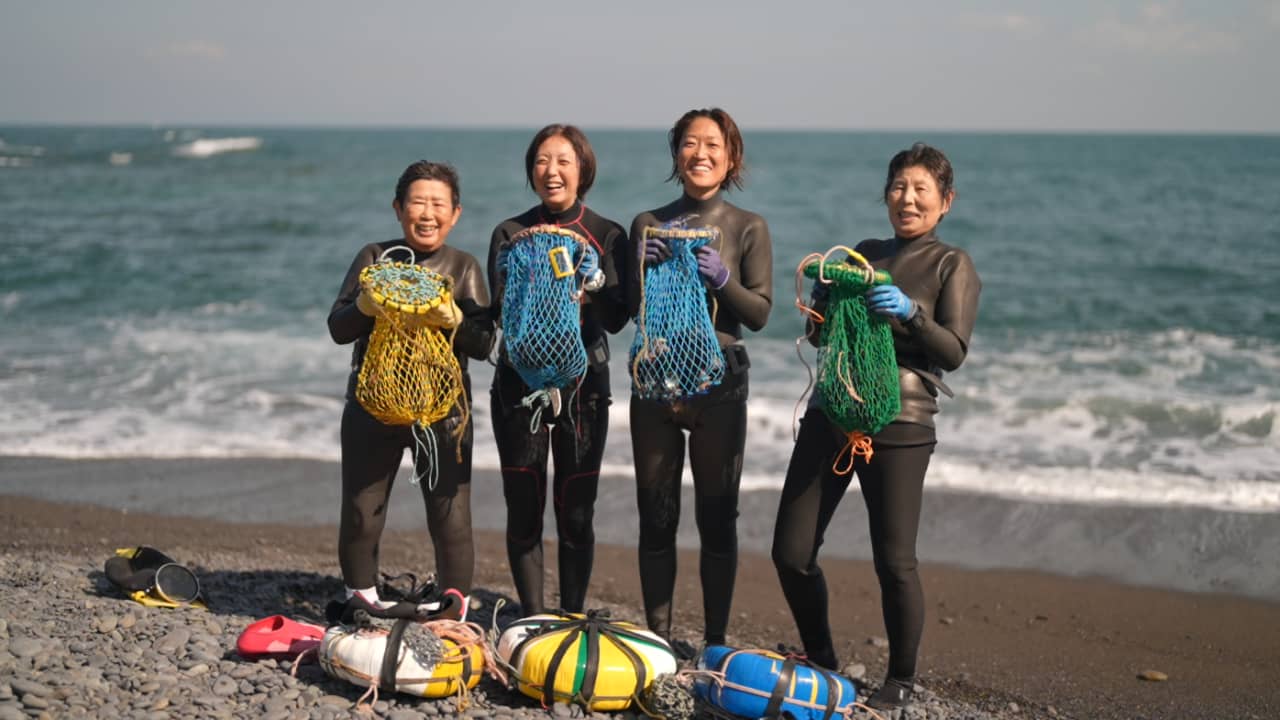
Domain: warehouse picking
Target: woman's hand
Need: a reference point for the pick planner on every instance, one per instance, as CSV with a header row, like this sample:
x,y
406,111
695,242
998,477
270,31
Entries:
x,y
712,267
366,305
589,270
654,250
890,301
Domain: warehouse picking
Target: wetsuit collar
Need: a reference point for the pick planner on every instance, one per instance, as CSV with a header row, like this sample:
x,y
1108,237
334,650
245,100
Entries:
x,y
925,238
568,216
689,204
418,254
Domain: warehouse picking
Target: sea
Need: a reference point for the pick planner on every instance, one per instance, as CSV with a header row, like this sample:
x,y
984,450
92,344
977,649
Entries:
x,y
164,292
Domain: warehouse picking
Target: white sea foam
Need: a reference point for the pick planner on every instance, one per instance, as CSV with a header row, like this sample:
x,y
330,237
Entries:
x,y
206,147
1080,424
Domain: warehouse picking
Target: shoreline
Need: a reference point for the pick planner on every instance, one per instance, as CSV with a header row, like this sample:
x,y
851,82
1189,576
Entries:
x,y
1177,548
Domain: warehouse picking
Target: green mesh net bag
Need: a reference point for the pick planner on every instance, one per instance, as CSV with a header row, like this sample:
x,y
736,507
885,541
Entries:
x,y
857,379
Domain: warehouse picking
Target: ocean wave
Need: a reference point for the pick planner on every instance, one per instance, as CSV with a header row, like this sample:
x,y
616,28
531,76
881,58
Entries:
x,y
208,147
1071,419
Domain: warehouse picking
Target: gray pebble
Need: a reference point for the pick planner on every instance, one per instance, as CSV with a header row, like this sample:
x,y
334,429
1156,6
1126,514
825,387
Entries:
x,y
29,687
224,686
35,701
25,647
11,712
405,714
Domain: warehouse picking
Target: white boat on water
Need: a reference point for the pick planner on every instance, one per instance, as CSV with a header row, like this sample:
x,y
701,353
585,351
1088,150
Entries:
x,y
205,147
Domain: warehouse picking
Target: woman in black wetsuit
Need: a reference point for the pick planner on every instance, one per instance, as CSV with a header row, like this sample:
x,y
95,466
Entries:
x,y
706,157
933,305
427,207
561,167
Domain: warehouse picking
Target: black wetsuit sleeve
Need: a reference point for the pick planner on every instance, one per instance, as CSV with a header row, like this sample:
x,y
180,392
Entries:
x,y
944,336
750,295
346,323
496,281
609,304
635,268
475,333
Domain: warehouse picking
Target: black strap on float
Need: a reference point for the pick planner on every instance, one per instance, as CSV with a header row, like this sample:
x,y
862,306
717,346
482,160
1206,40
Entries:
x,y
780,687
833,686
593,625
391,656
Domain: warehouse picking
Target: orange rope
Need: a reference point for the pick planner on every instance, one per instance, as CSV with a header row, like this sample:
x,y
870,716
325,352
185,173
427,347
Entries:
x,y
859,444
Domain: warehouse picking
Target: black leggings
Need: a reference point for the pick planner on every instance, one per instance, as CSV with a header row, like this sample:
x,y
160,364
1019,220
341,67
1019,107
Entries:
x,y
371,454
717,427
892,484
576,443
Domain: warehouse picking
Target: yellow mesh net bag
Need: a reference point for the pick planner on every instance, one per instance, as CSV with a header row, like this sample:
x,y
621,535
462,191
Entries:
x,y
410,375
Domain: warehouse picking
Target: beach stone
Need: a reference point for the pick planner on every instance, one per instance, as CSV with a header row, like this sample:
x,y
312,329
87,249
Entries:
x,y
128,620
107,623
25,647
336,701
6,692
10,712
196,670
1153,676
405,714
854,671
35,701
877,641
1013,707
277,715
30,687
225,686
173,641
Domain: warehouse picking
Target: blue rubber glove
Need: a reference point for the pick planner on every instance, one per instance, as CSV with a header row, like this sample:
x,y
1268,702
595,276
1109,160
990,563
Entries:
x,y
890,301
589,270
590,263
712,267
654,250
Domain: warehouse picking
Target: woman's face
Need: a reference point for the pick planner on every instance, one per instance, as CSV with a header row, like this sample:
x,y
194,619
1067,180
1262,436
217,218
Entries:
x,y
555,173
702,158
427,214
915,204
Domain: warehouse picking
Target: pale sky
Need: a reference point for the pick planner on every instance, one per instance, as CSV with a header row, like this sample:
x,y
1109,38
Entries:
x,y
1195,65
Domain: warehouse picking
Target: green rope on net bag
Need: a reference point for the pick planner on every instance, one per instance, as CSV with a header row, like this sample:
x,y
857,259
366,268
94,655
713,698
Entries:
x,y
857,380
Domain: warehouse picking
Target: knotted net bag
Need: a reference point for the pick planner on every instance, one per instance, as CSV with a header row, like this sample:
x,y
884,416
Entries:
x,y
675,354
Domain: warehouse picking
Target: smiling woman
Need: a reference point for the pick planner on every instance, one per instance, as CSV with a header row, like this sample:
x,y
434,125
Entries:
x,y
932,305
569,421
725,254
427,206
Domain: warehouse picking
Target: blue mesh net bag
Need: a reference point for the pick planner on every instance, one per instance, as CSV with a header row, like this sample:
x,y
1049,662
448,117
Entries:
x,y
541,318
675,354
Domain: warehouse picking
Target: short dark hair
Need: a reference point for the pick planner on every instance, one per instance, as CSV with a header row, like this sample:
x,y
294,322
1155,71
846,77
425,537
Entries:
x,y
581,148
426,170
928,157
732,141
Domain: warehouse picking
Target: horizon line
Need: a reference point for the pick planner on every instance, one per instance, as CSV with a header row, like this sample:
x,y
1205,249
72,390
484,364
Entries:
x,y
485,127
